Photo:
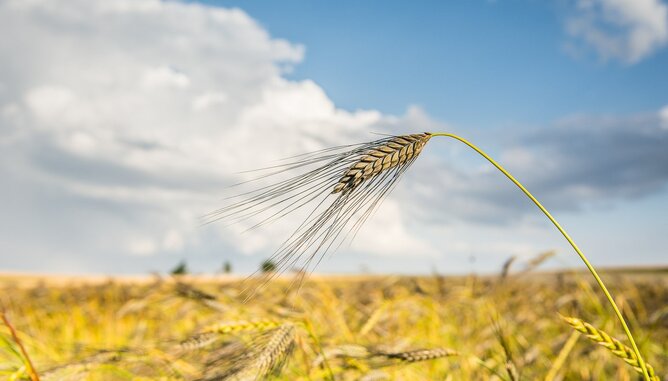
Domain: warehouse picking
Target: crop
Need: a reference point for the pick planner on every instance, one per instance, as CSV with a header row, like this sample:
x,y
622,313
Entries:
x,y
335,329
345,328
362,176
613,345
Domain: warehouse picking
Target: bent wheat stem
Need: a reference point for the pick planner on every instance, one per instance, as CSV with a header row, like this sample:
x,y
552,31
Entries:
x,y
591,268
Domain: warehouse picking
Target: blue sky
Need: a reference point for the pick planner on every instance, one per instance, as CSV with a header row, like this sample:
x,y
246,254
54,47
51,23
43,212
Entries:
x,y
123,122
472,63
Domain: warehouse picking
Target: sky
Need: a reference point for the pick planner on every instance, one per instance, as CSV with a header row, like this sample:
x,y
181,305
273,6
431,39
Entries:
x,y
123,122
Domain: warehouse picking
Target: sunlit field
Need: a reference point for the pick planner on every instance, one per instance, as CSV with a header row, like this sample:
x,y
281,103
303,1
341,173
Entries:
x,y
372,164
503,327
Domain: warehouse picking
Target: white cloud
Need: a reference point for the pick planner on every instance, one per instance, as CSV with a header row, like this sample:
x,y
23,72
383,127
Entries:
x,y
136,114
385,234
663,117
143,247
164,76
628,30
173,240
208,99
121,122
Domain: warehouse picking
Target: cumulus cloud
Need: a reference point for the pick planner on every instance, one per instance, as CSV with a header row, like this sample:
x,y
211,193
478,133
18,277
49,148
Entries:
x,y
122,122
163,76
663,117
628,30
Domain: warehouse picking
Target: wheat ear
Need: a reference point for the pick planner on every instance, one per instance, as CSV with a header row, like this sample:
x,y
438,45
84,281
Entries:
x,y
421,354
343,185
242,326
392,153
211,333
613,345
198,341
270,358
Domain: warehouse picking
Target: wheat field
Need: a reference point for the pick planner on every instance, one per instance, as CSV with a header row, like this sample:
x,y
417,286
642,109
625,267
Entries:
x,y
517,325
504,327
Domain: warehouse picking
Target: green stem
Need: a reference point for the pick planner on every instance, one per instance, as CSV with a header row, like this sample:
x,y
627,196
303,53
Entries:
x,y
570,241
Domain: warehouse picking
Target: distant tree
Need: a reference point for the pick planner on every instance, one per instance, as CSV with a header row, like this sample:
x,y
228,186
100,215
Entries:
x,y
227,267
268,266
180,269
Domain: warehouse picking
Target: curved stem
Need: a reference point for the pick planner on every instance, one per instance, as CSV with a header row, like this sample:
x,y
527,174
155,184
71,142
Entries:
x,y
570,241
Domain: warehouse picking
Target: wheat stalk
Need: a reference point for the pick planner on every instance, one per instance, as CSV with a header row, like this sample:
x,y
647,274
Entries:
x,y
613,345
30,369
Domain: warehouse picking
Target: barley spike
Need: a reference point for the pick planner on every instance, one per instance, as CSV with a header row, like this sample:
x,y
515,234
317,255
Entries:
x,y
392,153
277,348
613,345
242,326
271,357
421,354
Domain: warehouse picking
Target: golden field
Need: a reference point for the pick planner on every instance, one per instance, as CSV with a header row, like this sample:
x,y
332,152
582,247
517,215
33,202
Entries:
x,y
505,327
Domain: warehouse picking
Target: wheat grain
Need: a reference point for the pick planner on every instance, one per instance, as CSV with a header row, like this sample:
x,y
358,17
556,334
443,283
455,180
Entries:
x,y
389,154
198,341
421,354
536,261
505,270
358,176
375,375
613,345
242,326
82,367
210,334
277,349
270,358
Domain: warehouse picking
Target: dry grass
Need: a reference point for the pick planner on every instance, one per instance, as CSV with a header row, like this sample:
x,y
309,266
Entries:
x,y
358,328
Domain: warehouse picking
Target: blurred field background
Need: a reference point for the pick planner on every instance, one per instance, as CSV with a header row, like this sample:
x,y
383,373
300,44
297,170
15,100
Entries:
x,y
504,327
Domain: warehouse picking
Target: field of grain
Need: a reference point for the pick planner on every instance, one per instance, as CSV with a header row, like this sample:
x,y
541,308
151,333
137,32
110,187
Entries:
x,y
332,328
